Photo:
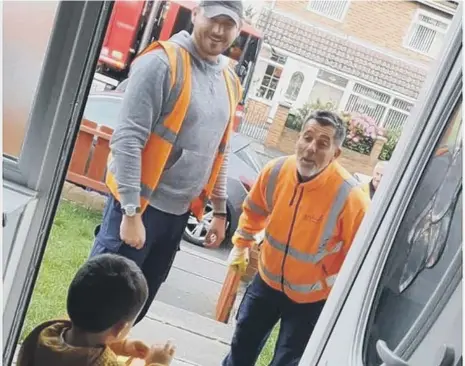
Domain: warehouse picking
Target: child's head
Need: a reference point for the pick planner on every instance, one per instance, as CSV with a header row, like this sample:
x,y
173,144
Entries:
x,y
106,295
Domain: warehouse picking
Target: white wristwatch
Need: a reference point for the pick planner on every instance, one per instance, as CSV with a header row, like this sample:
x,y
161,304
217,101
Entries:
x,y
130,210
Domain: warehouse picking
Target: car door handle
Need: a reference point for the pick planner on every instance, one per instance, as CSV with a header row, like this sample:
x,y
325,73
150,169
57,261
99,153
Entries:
x,y
388,357
446,356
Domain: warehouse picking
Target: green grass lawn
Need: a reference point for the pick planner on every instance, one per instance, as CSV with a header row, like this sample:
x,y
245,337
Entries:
x,y
268,350
67,248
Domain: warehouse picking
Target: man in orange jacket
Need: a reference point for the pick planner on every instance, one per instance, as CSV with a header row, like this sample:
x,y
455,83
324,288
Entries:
x,y
310,208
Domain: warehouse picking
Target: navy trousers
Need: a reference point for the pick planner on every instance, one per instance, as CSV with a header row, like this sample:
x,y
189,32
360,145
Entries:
x,y
163,236
261,308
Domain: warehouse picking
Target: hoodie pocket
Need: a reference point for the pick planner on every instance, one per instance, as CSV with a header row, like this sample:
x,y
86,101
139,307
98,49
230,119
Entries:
x,y
187,175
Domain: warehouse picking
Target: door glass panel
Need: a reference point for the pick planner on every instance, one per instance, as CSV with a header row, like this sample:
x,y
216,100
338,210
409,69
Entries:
x,y
427,240
27,26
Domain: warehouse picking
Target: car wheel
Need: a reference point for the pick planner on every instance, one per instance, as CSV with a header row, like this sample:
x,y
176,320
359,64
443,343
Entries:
x,y
196,231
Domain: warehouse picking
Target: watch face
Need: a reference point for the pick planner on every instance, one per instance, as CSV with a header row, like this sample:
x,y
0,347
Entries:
x,y
130,211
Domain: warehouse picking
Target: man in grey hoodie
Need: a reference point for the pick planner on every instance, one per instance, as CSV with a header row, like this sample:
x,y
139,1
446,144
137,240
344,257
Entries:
x,y
152,238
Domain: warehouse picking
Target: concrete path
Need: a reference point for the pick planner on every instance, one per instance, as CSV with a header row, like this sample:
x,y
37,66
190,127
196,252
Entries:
x,y
199,341
185,307
194,282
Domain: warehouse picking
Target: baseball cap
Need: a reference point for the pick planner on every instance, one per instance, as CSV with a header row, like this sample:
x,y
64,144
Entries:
x,y
233,9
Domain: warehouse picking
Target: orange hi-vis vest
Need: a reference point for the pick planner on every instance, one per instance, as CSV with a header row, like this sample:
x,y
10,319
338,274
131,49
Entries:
x,y
164,133
309,227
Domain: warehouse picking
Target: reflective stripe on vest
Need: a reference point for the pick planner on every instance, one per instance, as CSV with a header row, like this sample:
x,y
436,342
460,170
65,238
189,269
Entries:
x,y
244,234
254,207
272,181
278,279
304,257
330,280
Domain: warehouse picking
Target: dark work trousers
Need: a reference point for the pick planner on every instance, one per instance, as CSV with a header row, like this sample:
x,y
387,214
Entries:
x,y
163,236
260,310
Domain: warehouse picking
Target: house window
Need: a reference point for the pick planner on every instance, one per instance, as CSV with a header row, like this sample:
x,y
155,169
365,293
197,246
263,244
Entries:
x,y
269,82
332,9
427,33
398,114
328,88
390,113
295,84
368,101
276,57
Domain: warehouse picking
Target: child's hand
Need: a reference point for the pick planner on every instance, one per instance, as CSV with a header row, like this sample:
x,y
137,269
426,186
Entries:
x,y
130,348
137,349
161,354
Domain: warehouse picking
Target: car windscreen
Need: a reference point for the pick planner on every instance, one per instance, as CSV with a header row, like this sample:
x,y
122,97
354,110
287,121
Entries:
x,y
103,110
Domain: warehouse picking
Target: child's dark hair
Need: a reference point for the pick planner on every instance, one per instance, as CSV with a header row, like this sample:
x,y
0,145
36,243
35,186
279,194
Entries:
x,y
107,289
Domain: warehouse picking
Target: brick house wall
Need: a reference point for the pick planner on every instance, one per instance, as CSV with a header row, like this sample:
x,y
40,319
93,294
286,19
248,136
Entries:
x,y
386,25
256,111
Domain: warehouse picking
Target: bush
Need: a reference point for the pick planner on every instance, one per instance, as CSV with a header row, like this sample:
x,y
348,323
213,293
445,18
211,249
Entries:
x,y
362,131
391,143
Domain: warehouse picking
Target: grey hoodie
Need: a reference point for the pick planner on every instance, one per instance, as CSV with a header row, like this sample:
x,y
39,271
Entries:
x,y
190,163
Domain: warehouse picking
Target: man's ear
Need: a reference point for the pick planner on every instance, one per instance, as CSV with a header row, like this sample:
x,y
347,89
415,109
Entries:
x,y
338,152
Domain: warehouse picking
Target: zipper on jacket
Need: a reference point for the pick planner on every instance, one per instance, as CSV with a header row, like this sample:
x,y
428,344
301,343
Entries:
x,y
290,235
293,196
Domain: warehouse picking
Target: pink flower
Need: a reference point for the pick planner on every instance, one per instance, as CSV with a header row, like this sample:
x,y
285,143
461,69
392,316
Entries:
x,y
356,139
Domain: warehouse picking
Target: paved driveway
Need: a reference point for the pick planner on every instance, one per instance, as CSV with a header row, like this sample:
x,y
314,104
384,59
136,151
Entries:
x,y
195,280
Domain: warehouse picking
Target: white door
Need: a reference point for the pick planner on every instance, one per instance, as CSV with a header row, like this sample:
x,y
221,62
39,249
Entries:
x,y
398,297
50,49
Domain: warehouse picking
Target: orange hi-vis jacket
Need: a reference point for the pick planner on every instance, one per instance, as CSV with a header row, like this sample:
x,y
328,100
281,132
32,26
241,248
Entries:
x,y
309,227
164,133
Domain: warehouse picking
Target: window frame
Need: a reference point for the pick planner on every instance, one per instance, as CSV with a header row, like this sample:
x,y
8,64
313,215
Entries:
x,y
416,20
343,16
64,84
46,108
267,88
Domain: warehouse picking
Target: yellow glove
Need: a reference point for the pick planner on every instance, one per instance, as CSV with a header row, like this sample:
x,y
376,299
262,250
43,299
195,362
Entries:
x,y
239,258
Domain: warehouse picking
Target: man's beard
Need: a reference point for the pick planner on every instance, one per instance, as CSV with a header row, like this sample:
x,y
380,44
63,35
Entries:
x,y
308,174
